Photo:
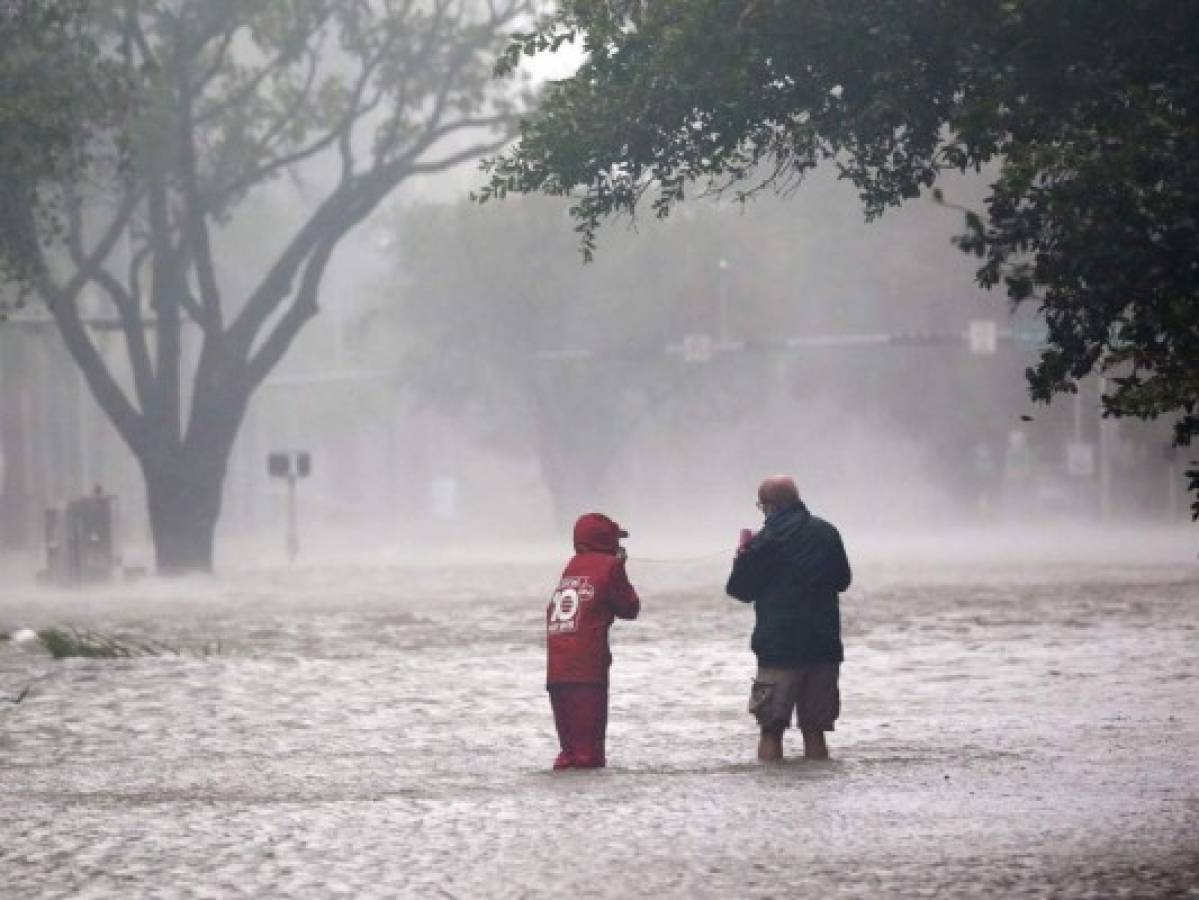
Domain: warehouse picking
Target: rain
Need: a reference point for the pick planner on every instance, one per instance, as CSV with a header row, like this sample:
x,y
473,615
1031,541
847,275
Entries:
x,y
294,431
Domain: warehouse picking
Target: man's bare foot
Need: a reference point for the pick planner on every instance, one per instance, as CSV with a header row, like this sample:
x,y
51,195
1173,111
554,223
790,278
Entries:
x,y
770,747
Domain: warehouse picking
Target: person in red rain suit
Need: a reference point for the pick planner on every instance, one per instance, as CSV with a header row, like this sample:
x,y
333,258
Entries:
x,y
593,591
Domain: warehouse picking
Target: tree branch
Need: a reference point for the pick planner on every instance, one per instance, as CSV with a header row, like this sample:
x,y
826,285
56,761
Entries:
x,y
167,292
104,387
87,264
65,312
276,284
339,133
134,328
239,98
454,159
303,308
133,30
219,57
195,225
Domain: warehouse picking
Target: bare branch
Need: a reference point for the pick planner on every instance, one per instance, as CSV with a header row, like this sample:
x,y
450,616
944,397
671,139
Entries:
x,y
302,99
454,159
339,133
133,31
220,56
87,264
166,299
133,280
195,224
276,285
104,387
302,309
269,168
134,328
357,110
250,88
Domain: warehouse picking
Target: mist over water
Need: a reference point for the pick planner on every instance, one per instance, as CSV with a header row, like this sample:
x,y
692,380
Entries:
x,y
1017,720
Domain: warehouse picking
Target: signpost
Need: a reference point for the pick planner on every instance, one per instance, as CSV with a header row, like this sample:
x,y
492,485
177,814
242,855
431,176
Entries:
x,y
292,466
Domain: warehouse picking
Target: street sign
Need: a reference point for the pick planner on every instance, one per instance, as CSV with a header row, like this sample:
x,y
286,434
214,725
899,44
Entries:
x,y
983,337
278,465
285,464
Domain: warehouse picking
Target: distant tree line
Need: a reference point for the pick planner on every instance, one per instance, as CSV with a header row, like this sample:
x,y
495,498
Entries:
x,y
1090,108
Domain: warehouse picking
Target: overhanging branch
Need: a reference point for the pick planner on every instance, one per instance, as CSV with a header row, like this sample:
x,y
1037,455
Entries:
x,y
303,308
104,387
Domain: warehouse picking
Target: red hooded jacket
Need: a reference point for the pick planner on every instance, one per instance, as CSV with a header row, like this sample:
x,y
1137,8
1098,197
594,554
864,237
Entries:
x,y
593,590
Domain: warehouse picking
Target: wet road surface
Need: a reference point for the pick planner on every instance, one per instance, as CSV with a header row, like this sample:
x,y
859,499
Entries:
x,y
382,730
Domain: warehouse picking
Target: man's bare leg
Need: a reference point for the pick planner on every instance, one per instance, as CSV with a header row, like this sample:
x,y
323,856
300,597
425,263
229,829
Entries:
x,y
814,746
770,746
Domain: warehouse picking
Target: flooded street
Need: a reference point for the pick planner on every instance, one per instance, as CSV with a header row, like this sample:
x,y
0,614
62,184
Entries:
x,y
380,728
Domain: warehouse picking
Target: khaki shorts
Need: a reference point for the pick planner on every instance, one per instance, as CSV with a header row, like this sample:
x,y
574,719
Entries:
x,y
810,690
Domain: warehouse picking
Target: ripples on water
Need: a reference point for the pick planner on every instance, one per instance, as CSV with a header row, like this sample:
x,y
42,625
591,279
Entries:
x,y
383,730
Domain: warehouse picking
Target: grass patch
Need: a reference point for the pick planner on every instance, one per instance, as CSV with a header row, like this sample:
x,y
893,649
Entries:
x,y
66,642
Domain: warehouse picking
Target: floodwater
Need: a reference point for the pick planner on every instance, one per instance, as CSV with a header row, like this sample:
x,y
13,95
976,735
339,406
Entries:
x,y
1023,727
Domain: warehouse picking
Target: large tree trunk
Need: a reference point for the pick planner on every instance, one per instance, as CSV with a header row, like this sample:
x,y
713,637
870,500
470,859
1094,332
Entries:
x,y
184,504
15,421
184,488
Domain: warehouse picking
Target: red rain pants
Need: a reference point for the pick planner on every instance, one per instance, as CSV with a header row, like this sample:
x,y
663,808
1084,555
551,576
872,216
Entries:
x,y
581,717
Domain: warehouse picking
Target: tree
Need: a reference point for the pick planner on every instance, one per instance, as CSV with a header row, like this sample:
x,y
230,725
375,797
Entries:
x,y
231,94
496,315
1089,108
56,92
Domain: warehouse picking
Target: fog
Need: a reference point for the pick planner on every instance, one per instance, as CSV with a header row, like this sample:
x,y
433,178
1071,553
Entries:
x,y
469,350
353,700
469,379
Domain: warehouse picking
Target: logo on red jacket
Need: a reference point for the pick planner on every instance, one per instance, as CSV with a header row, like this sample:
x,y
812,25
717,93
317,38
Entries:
x,y
563,613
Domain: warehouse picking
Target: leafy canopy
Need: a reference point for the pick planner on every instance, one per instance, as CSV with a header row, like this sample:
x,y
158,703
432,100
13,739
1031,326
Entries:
x,y
1088,106
56,94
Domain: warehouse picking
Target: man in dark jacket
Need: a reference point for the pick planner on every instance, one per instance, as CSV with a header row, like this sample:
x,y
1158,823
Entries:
x,y
792,571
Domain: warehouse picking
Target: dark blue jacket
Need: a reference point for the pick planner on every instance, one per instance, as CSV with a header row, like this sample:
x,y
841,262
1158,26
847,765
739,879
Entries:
x,y
792,571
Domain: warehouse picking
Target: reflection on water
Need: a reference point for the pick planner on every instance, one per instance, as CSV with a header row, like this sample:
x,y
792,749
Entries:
x,y
382,730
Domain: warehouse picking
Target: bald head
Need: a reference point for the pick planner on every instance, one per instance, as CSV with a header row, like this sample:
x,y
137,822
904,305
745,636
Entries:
x,y
777,492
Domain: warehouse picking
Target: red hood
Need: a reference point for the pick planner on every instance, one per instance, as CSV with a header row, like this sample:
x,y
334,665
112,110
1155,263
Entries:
x,y
596,533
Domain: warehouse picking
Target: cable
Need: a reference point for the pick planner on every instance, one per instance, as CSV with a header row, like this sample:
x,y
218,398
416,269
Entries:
x,y
683,559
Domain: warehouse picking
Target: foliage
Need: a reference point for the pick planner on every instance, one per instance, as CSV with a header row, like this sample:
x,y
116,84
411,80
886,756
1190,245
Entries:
x,y
350,98
57,96
66,642
1089,106
493,314
492,320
